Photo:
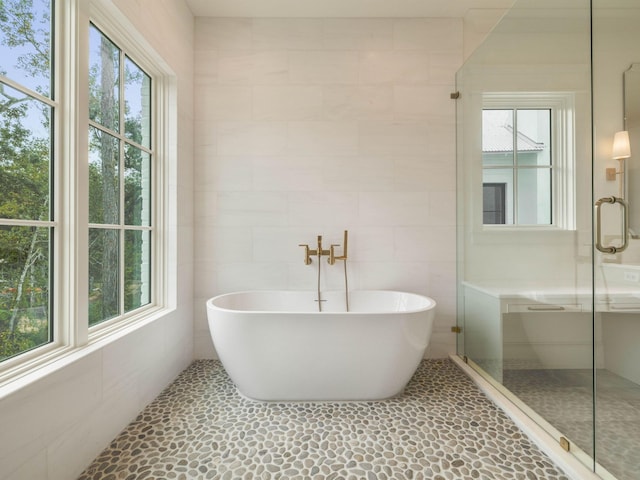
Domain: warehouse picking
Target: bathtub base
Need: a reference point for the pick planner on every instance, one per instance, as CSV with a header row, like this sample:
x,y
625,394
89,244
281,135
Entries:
x,y
258,400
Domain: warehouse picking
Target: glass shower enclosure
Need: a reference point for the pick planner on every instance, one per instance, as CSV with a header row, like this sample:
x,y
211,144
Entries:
x,y
549,222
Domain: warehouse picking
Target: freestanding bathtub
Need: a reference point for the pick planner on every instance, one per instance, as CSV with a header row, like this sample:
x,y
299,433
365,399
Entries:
x,y
277,346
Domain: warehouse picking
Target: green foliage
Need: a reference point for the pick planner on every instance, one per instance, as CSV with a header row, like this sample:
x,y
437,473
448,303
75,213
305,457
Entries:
x,y
104,84
24,179
26,28
24,182
13,343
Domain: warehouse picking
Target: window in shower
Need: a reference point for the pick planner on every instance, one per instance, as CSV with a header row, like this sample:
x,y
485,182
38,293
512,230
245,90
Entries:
x,y
523,160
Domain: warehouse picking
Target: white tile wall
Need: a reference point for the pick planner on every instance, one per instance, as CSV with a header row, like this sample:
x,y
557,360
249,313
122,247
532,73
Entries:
x,y
360,35
477,25
52,428
308,127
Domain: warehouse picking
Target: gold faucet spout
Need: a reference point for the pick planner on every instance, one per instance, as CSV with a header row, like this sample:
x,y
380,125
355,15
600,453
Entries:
x,y
319,251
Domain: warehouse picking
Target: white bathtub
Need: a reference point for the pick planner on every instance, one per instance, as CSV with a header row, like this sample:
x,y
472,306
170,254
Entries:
x,y
275,345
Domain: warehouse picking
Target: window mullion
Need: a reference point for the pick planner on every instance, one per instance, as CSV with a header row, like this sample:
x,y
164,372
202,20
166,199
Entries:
x,y
515,167
121,275
121,229
27,91
76,93
121,170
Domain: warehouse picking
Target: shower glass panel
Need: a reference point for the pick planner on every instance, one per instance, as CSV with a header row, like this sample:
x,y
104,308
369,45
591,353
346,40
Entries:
x,y
616,107
525,206
551,321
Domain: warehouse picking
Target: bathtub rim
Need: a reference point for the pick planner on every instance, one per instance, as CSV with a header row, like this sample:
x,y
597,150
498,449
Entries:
x,y
431,303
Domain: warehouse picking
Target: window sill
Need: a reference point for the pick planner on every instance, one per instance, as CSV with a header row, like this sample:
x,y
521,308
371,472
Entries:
x,y
524,228
525,236
29,373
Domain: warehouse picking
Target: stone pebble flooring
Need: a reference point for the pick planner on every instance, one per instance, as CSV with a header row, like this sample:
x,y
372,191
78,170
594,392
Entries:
x,y
565,399
442,427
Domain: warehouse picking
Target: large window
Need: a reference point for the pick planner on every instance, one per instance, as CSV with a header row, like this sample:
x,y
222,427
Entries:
x,y
27,222
120,159
84,148
527,160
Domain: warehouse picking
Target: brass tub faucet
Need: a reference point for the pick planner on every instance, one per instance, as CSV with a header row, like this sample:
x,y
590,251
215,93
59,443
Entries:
x,y
308,253
319,252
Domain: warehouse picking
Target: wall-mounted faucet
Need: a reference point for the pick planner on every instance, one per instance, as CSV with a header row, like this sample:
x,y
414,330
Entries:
x,y
319,252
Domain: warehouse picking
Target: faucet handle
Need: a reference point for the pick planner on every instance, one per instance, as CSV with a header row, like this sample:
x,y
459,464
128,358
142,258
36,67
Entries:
x,y
332,253
307,258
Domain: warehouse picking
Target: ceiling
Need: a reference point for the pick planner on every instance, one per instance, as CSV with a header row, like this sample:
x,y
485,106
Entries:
x,y
340,8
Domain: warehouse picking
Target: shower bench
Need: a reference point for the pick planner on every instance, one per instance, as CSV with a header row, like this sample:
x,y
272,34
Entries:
x,y
529,326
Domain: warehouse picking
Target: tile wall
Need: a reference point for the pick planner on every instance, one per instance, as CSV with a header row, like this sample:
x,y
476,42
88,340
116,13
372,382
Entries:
x,y
307,127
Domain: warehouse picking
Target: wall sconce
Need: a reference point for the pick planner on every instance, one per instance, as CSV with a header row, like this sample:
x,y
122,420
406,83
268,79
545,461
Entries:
x,y
621,150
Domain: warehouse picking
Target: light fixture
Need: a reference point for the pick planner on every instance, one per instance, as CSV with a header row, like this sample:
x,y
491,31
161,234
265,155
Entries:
x,y
621,150
621,145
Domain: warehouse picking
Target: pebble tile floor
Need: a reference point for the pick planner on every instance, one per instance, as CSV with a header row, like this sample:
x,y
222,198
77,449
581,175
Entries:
x,y
565,399
441,427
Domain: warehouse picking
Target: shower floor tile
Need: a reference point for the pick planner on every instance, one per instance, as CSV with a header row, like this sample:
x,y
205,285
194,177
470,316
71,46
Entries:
x,y
564,398
442,427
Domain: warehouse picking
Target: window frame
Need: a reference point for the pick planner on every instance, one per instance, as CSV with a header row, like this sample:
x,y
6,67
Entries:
x,y
72,336
563,189
122,227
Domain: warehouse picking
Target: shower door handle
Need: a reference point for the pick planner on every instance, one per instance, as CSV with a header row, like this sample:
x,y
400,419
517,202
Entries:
x,y
625,224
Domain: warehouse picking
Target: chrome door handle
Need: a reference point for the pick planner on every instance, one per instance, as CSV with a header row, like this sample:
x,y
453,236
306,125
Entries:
x,y
625,225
